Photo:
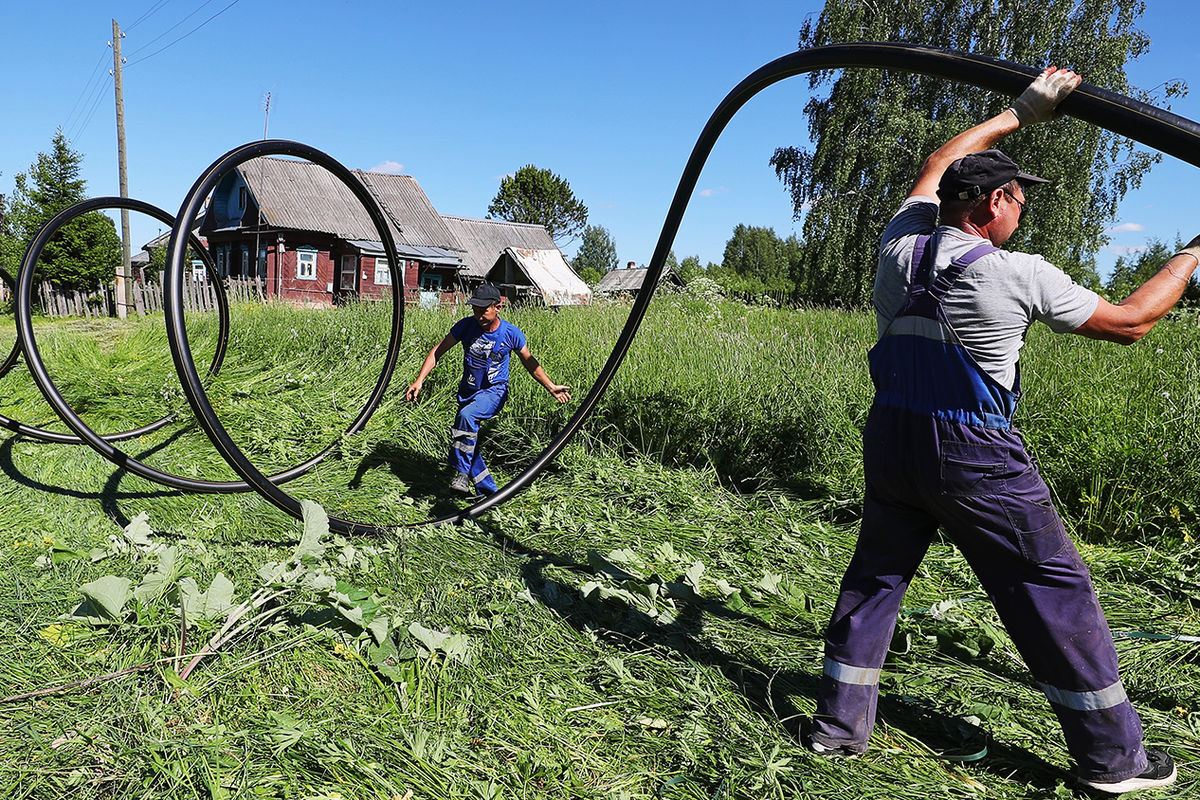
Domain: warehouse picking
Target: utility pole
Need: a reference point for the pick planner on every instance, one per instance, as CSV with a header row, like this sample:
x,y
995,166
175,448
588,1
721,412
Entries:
x,y
124,289
258,221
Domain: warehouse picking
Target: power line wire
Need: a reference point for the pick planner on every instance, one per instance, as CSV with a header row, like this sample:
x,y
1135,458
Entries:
x,y
194,12
87,88
146,14
189,33
95,104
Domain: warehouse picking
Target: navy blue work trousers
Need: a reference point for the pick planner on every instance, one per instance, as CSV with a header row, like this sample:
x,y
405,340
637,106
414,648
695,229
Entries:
x,y
464,436
983,490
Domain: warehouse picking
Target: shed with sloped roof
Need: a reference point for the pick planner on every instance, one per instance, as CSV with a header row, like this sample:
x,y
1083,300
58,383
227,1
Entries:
x,y
538,276
629,281
483,240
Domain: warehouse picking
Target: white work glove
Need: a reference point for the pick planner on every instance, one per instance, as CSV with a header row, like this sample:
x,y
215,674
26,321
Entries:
x,y
1038,102
1192,249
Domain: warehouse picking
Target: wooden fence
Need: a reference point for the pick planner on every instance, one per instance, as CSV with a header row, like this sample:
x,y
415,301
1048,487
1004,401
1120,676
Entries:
x,y
147,298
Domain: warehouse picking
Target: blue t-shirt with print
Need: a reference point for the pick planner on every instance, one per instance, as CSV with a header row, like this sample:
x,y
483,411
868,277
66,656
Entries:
x,y
485,353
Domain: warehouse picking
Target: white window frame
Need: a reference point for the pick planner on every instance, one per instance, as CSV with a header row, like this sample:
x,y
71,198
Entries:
x,y
383,272
347,267
306,263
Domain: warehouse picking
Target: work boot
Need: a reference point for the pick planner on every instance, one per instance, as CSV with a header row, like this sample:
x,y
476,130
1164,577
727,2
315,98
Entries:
x,y
1160,771
830,751
461,483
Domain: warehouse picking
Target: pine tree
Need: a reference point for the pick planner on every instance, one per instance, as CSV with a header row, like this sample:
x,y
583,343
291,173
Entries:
x,y
86,251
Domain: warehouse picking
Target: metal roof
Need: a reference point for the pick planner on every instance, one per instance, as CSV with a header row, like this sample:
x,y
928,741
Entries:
x,y
550,274
430,255
305,196
617,281
483,240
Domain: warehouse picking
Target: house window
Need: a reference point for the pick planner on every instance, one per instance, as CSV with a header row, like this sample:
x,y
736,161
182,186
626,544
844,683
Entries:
x,y
349,272
306,263
222,265
383,274
242,197
431,282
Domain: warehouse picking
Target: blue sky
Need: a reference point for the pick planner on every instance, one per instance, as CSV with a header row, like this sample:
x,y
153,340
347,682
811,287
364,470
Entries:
x,y
611,96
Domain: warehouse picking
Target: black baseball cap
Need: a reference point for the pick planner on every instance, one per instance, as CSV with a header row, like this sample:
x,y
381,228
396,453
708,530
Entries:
x,y
484,295
979,173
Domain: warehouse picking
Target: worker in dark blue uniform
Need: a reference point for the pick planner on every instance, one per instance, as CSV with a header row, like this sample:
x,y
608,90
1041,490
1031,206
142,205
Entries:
x,y
487,343
940,449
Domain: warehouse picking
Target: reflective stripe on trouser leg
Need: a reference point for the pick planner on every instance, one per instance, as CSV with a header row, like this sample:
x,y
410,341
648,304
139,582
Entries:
x,y
891,544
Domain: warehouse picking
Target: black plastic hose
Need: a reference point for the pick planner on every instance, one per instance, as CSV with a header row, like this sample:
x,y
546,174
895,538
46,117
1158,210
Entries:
x,y
1154,127
177,332
23,307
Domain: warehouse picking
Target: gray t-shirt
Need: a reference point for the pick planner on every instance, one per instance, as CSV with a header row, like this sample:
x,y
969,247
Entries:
x,y
996,299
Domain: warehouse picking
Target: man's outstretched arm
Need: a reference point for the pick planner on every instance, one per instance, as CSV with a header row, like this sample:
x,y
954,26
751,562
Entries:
x,y
561,393
430,362
1132,318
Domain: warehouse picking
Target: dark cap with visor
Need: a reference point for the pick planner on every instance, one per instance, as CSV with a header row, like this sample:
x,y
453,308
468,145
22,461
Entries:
x,y
484,295
980,173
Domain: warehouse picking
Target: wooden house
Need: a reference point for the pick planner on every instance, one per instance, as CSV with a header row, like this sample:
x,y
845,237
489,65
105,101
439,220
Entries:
x,y
308,238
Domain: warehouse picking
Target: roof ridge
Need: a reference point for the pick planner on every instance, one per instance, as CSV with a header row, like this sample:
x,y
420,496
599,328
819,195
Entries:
x,y
492,221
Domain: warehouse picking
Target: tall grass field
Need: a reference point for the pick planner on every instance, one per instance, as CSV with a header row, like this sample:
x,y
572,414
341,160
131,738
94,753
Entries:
x,y
643,622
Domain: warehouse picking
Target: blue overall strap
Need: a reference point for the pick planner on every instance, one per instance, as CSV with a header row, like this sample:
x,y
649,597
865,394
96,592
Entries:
x,y
957,267
925,296
924,254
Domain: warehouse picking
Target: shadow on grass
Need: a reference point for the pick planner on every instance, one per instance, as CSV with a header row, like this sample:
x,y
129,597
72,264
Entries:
x,y
108,495
767,690
426,477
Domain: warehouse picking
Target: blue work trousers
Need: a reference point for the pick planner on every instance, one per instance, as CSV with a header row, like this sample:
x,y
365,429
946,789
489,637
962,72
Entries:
x,y
981,488
464,436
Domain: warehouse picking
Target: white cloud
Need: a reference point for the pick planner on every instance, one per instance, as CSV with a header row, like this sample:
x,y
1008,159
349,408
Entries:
x,y
1128,250
388,167
1127,227
713,192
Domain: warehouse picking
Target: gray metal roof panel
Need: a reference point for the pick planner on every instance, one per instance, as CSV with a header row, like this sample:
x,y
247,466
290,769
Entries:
x,y
305,196
483,240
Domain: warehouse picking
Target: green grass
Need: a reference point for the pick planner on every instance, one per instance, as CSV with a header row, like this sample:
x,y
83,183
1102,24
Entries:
x,y
643,622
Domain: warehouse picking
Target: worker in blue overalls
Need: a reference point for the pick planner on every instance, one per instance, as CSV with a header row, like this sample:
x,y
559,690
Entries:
x,y
487,343
940,450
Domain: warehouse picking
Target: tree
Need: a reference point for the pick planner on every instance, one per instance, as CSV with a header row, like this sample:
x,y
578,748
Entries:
x,y
540,197
597,254
875,128
1130,273
690,268
86,251
757,261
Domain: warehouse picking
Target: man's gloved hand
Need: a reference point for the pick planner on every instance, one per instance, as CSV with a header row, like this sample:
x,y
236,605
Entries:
x,y
1038,102
1192,249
